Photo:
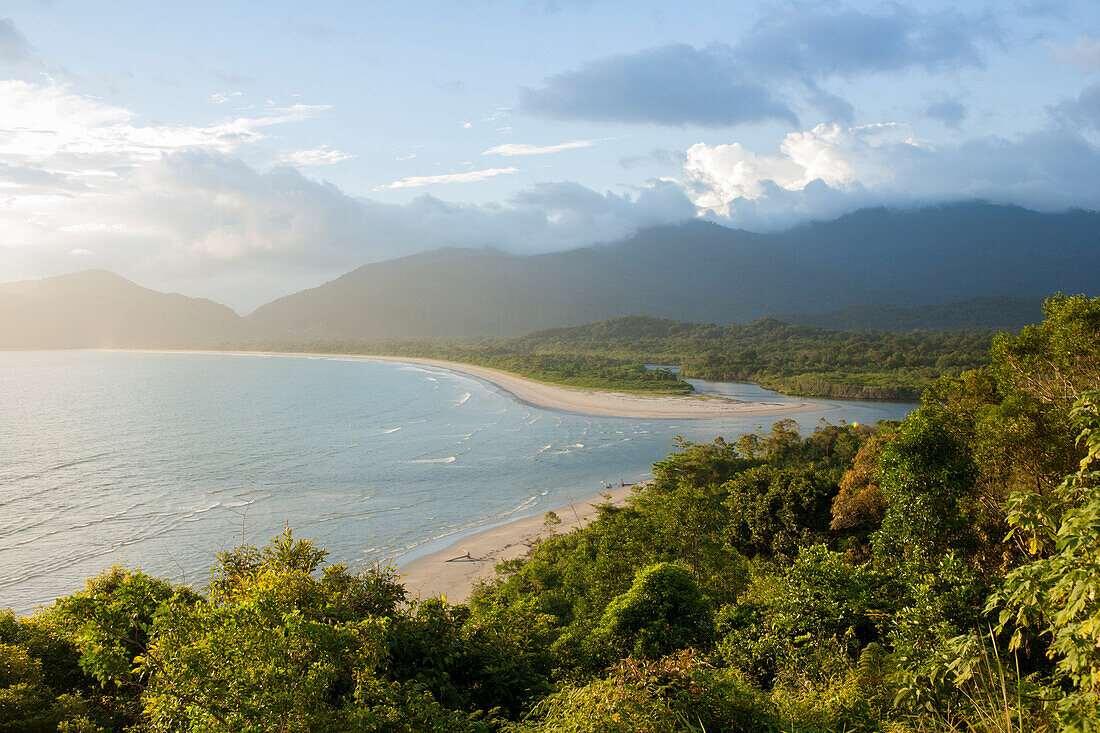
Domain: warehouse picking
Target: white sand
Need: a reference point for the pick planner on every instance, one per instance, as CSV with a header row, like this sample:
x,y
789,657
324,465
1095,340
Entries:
x,y
571,399
612,404
453,571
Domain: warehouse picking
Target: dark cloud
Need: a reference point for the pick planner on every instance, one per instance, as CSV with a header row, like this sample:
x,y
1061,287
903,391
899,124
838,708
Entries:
x,y
950,112
835,108
798,46
1084,111
670,85
800,40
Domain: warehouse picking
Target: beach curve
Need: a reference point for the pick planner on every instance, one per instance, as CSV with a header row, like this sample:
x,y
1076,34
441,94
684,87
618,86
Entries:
x,y
601,403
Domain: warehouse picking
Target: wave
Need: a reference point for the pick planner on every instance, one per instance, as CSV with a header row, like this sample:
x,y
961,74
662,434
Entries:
x,y
448,459
465,396
391,430
191,516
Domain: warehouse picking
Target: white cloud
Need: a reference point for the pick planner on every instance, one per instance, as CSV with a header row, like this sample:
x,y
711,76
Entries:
x,y
223,97
466,125
830,170
468,177
79,252
1084,53
839,157
323,155
83,136
511,149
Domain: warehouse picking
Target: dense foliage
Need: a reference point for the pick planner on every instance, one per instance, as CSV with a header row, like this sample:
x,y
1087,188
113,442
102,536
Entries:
x,y
938,574
800,360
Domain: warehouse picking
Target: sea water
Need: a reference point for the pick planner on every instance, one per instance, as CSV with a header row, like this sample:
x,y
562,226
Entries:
x,y
160,461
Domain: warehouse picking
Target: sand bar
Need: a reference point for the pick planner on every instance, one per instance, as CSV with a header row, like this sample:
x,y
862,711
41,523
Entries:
x,y
568,399
453,571
606,404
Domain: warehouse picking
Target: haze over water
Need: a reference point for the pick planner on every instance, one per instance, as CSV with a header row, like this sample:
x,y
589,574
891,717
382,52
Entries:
x,y
160,461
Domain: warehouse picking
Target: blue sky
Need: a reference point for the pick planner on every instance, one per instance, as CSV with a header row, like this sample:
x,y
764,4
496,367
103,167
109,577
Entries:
x,y
244,150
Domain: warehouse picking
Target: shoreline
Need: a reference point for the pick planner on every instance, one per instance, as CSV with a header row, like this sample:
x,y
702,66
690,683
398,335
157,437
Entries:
x,y
453,571
557,397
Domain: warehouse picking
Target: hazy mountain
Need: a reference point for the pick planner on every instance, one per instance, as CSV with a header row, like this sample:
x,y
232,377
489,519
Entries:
x,y
98,309
703,272
1002,259
996,313
697,271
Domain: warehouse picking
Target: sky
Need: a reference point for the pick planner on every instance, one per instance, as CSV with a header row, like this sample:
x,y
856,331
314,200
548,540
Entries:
x,y
243,151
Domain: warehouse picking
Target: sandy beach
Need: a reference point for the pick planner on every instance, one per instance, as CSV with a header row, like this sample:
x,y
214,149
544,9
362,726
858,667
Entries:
x,y
607,404
453,571
569,399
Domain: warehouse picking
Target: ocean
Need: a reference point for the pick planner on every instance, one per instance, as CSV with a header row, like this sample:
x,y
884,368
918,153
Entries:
x,y
160,461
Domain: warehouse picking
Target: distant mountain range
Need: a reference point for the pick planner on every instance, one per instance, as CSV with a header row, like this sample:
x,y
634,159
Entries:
x,y
98,309
957,266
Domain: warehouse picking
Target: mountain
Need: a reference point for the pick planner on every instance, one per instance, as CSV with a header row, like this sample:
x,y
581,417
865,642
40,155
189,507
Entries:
x,y
995,313
836,274
697,271
98,309
700,271
953,251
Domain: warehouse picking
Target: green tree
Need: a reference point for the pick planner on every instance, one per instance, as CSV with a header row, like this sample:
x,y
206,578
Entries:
x,y
1058,594
663,611
927,478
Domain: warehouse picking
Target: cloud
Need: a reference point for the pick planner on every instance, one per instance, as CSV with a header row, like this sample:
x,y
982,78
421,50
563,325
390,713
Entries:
x,y
950,112
800,40
671,85
208,224
49,126
323,155
1084,111
468,177
830,170
1084,54
838,157
14,48
223,97
794,49
511,149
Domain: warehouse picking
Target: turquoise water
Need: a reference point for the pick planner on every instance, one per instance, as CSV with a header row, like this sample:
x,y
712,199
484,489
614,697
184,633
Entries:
x,y
161,461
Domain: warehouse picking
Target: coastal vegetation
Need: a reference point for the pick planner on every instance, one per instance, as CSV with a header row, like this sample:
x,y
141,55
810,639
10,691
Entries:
x,y
799,360
935,574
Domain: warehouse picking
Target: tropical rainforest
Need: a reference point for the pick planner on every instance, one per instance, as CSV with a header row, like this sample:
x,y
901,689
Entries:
x,y
936,574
